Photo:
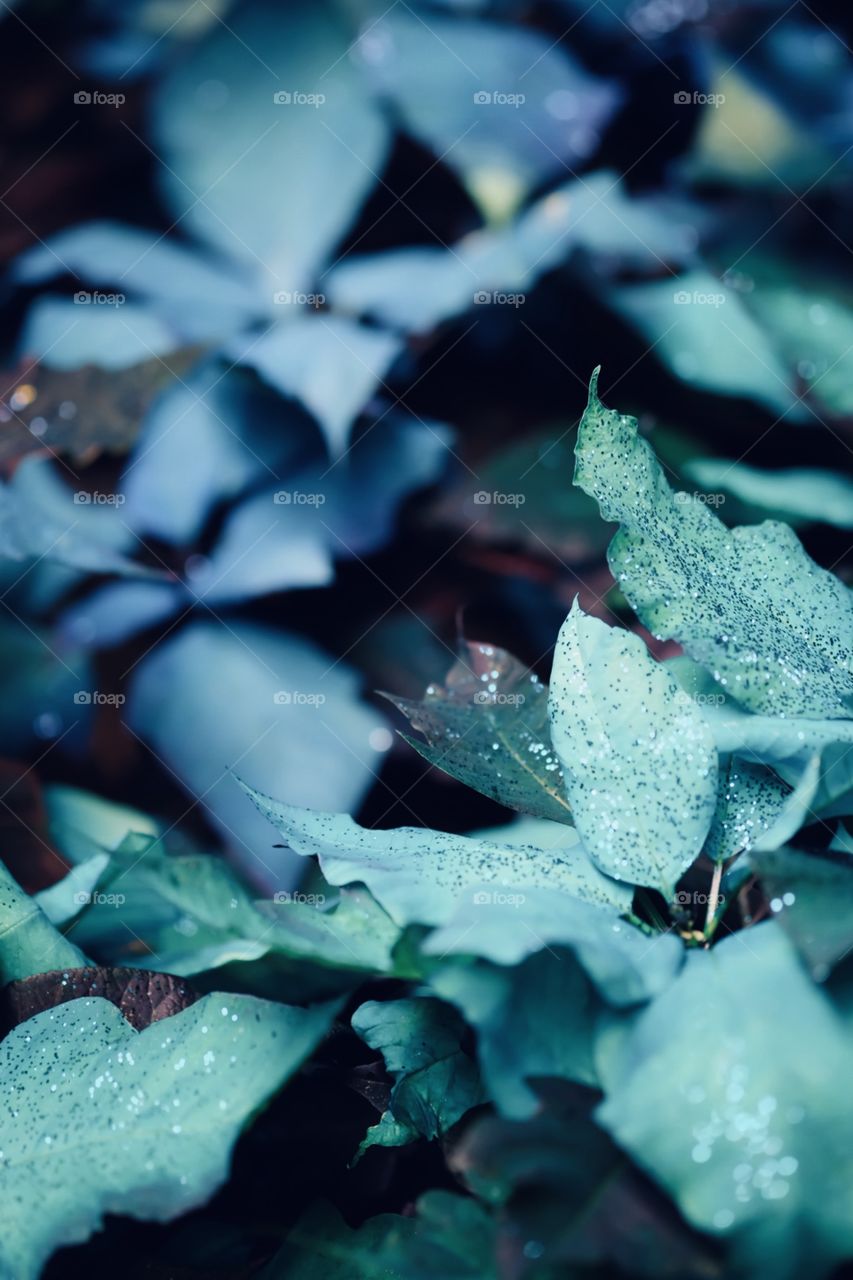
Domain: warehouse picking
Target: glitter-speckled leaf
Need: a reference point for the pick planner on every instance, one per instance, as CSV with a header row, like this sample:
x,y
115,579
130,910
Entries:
x,y
121,1121
638,758
487,725
419,876
748,603
750,1066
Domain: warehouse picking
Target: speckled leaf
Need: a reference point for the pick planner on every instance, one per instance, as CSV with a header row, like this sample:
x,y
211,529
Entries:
x,y
436,1082
538,833
746,603
121,1121
756,809
786,743
638,759
758,1131
811,896
419,875
533,1020
487,725
28,941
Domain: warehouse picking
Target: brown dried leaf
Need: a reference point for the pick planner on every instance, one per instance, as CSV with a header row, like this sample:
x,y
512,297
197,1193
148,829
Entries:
x,y
141,996
80,412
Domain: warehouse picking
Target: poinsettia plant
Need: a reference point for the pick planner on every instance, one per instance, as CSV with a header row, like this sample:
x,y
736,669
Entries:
x,y
621,1025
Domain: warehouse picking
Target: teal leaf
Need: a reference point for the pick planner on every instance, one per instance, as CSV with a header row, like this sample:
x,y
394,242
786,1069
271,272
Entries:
x,y
29,943
487,725
194,914
504,106
811,897
787,743
533,1020
639,763
210,698
795,494
756,809
436,1082
131,1122
450,1236
702,330
330,364
625,964
271,182
419,875
749,604
749,1064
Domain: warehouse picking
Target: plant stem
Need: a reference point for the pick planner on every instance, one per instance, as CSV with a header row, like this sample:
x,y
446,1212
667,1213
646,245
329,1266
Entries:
x,y
713,900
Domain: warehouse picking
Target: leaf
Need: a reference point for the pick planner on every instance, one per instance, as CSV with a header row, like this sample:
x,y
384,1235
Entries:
x,y
81,411
200,297
451,1236
193,914
28,941
272,183
132,1122
625,964
436,1082
795,494
213,697
531,1021
416,288
639,764
749,1063
487,725
332,365
756,809
774,629
503,106
811,896
419,875
40,519
701,330
560,1182
788,744
140,997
